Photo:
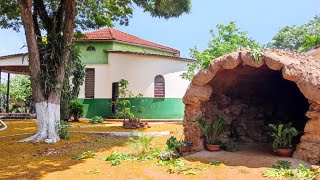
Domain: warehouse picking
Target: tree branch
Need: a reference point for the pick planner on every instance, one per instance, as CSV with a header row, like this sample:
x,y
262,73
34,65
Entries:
x,y
36,26
33,51
59,16
69,9
40,8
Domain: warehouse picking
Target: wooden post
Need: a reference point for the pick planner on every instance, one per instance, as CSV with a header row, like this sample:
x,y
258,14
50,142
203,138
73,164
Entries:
x,y
8,93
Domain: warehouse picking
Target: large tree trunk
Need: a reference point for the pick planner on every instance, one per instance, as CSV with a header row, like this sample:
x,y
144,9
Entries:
x,y
47,107
48,117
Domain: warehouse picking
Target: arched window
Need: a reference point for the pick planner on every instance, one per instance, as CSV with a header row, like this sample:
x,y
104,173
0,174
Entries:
x,y
159,86
91,48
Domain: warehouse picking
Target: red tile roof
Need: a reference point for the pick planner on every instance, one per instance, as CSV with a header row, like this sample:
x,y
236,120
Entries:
x,y
110,34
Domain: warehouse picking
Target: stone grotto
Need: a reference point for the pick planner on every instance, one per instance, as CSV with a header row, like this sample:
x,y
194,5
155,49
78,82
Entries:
x,y
281,87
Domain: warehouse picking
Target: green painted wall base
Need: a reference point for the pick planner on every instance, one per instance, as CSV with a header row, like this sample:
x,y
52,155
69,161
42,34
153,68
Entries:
x,y
155,108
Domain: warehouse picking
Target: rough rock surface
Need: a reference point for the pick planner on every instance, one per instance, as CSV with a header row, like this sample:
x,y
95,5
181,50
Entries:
x,y
304,71
134,123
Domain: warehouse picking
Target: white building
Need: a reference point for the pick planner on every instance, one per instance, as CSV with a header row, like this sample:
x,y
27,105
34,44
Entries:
x,y
111,55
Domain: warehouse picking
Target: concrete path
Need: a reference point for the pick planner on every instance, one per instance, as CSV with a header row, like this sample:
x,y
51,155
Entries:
x,y
126,134
118,134
113,125
4,125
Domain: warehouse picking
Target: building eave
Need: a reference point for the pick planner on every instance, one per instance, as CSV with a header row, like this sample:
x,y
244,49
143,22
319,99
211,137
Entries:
x,y
173,51
151,54
13,55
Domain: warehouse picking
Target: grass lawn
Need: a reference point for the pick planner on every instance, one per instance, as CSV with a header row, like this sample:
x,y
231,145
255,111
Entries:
x,y
54,161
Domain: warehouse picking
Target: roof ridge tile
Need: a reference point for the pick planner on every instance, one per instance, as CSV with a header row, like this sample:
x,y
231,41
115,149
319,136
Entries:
x,y
114,34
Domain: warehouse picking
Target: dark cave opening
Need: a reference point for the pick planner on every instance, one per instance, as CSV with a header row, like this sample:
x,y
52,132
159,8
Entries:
x,y
251,98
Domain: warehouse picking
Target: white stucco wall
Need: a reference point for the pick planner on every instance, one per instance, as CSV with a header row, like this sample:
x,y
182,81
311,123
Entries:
x,y
20,60
140,71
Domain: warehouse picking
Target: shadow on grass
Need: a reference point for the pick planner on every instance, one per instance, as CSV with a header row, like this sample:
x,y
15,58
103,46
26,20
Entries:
x,y
33,161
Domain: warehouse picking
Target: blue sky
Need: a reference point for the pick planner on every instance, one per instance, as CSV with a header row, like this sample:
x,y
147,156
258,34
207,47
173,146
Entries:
x,y
260,18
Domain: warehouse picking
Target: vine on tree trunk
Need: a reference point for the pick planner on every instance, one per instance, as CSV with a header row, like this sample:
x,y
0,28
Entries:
x,y
74,78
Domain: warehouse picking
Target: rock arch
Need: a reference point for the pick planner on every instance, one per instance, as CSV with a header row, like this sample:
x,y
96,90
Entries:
x,y
304,71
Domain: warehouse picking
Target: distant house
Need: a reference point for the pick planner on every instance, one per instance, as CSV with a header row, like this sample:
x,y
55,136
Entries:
x,y
151,69
111,55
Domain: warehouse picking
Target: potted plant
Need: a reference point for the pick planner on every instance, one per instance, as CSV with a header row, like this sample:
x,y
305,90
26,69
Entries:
x,y
282,139
183,146
212,131
180,145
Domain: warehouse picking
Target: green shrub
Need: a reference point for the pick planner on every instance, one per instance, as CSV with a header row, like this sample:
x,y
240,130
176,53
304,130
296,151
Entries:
x,y
282,135
125,108
178,166
140,145
282,164
256,53
215,163
64,129
282,170
166,156
76,109
96,120
85,155
212,131
173,143
116,158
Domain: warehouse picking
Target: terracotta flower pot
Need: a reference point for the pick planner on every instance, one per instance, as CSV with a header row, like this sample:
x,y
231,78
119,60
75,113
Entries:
x,y
284,152
183,148
212,147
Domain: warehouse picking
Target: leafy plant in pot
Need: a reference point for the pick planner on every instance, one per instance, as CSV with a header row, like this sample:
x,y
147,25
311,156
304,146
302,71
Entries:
x,y
282,138
183,146
212,131
174,145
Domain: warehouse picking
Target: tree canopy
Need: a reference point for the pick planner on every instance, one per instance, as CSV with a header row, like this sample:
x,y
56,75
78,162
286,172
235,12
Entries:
x,y
91,14
298,38
226,39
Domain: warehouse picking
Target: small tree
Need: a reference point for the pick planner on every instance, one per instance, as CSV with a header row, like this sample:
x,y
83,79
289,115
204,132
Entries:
x,y
124,104
227,39
298,38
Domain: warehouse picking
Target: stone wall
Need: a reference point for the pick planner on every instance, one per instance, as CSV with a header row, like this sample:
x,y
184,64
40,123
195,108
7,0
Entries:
x,y
246,120
203,92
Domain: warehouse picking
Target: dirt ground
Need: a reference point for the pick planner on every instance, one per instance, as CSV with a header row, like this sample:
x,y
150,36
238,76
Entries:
x,y
247,163
54,161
